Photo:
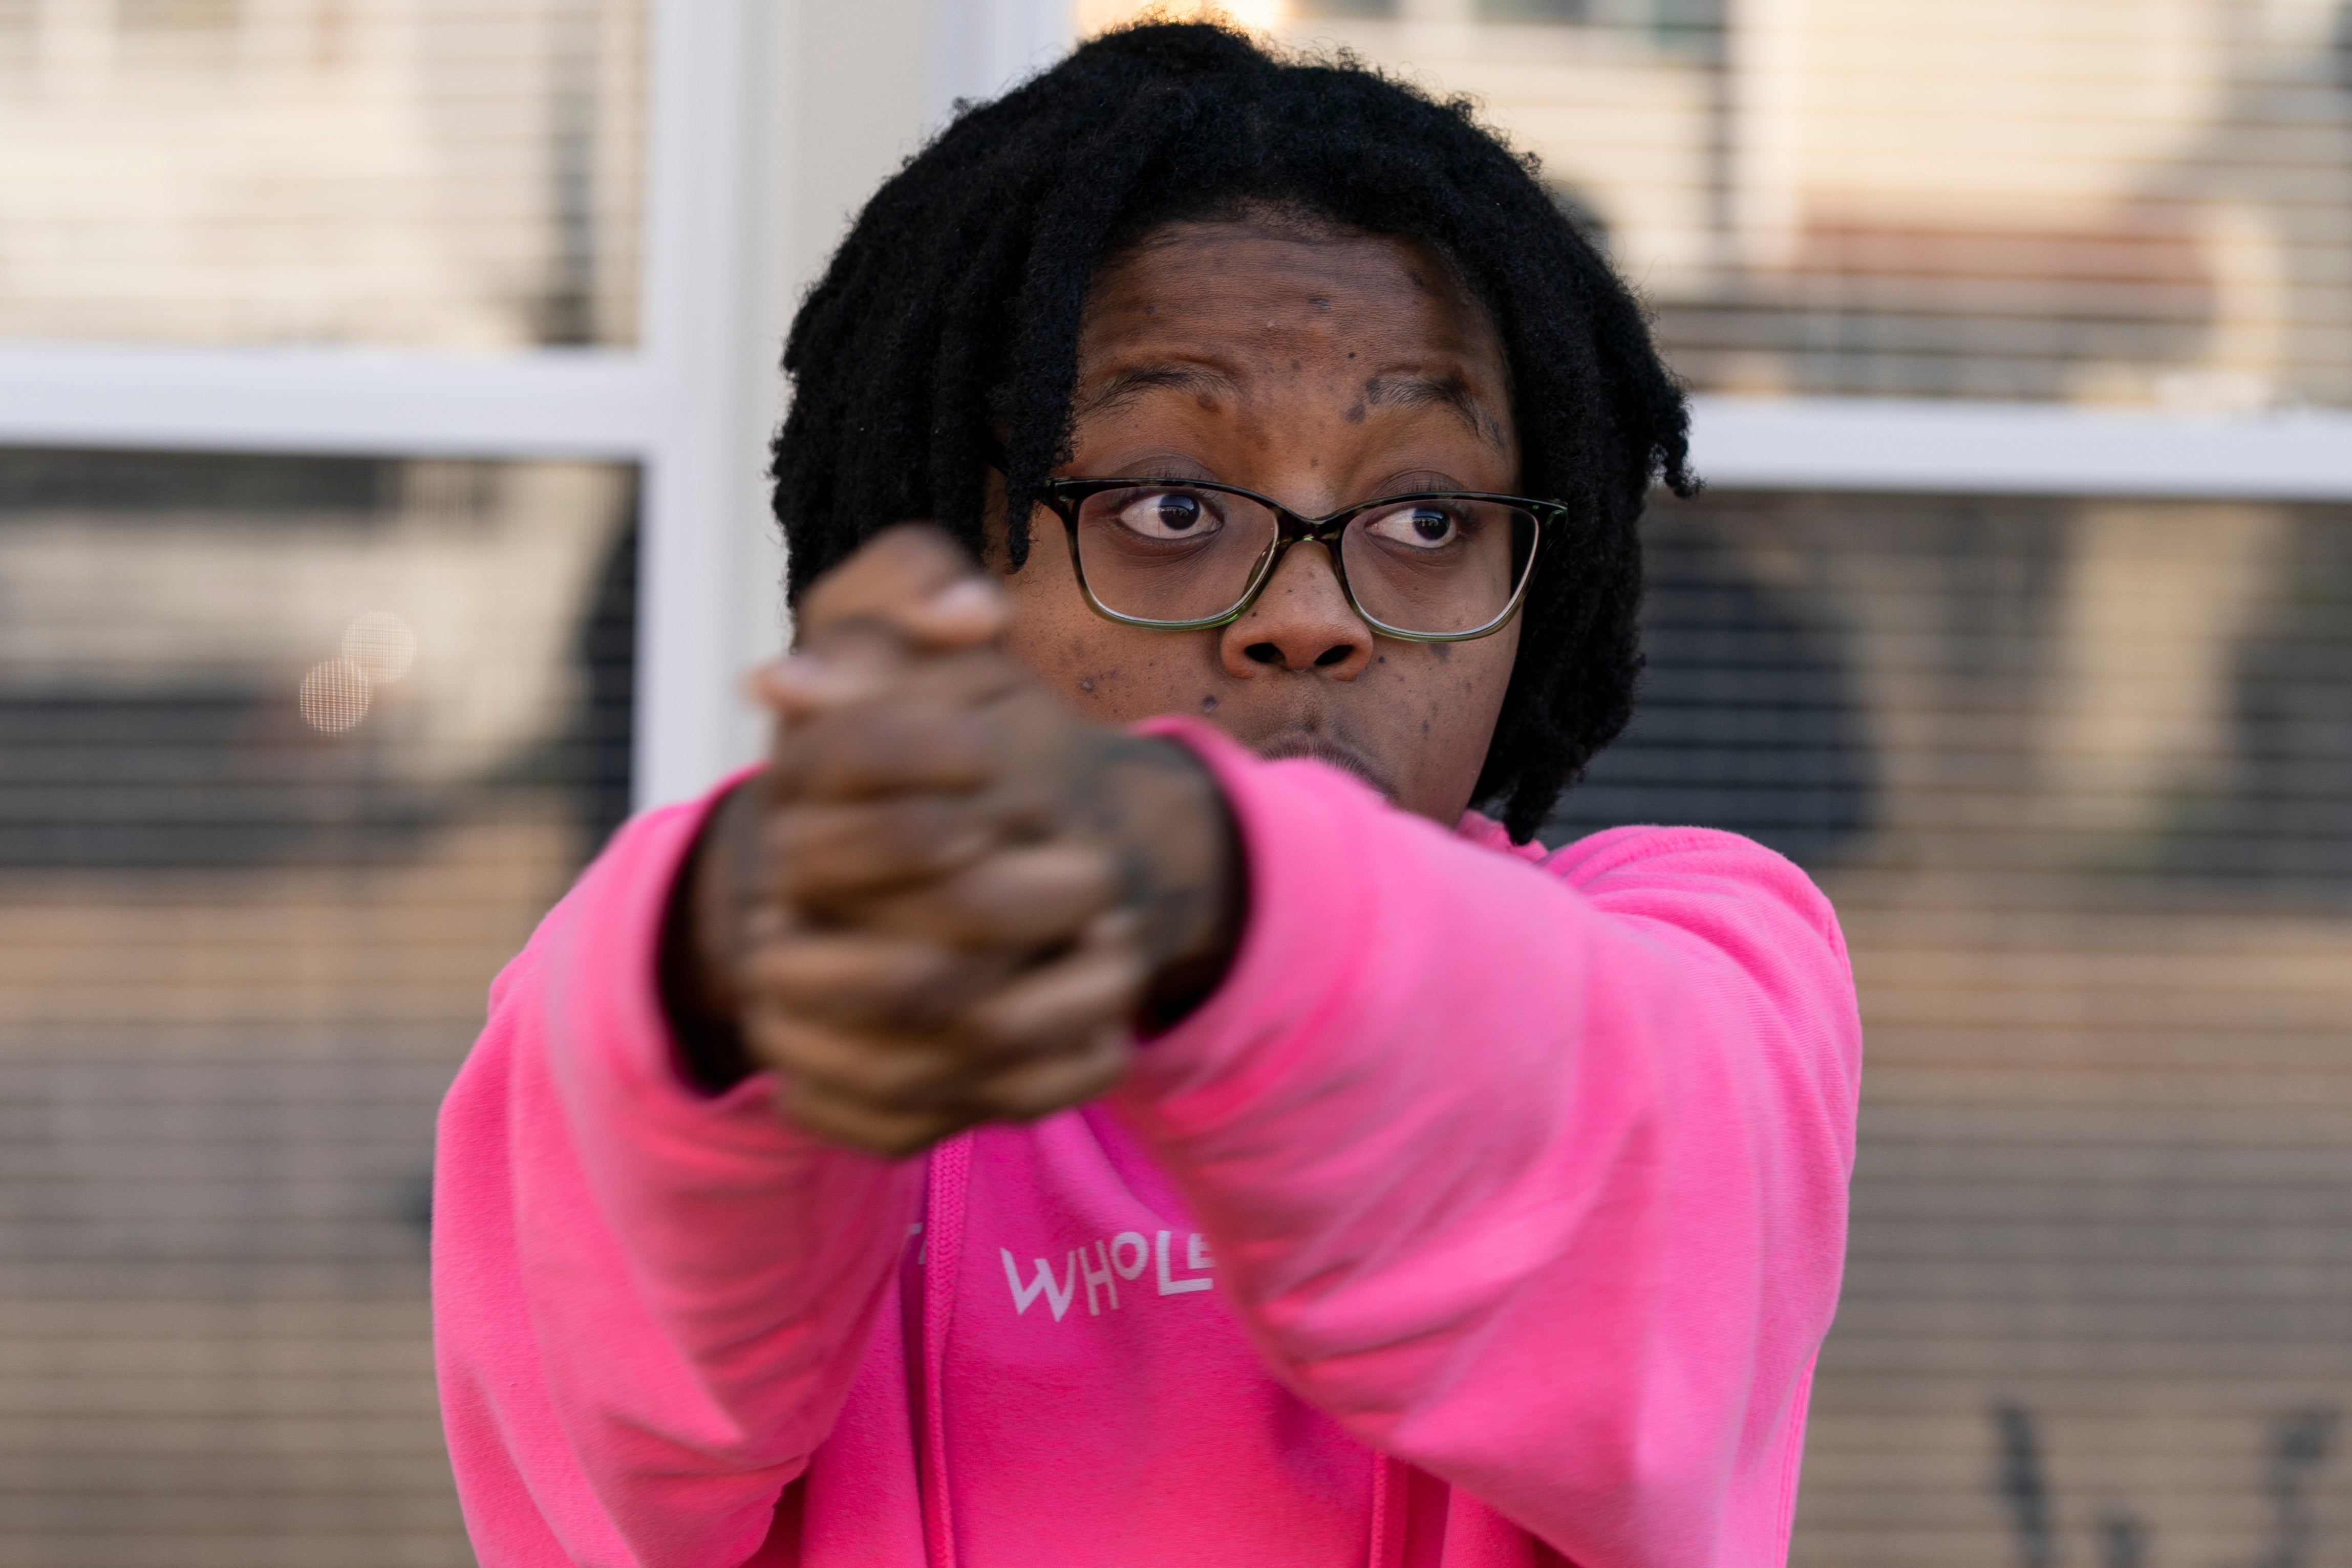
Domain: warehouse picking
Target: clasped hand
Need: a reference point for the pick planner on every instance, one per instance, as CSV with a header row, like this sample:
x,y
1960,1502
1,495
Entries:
x,y
948,899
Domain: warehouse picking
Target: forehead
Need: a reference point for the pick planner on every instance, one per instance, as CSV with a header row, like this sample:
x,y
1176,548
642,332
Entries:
x,y
1273,284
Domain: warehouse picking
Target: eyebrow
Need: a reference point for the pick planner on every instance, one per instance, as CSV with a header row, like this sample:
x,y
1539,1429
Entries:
x,y
1198,379
1393,390
1419,390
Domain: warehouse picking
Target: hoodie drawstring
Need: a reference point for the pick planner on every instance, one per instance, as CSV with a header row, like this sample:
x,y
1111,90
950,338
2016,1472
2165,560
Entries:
x,y
948,1177
1390,1481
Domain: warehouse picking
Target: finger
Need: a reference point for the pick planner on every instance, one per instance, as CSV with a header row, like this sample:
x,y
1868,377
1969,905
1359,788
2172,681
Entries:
x,y
916,580
847,1120
1038,1086
888,748
859,980
1076,997
935,722
865,661
899,1073
825,851
1028,896
859,663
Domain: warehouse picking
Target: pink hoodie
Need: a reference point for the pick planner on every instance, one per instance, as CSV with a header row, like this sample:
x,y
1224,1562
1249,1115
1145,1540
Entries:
x,y
1490,1213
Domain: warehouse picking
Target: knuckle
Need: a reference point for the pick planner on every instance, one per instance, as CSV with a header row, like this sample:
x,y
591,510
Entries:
x,y
879,1130
897,1078
889,746
1016,1101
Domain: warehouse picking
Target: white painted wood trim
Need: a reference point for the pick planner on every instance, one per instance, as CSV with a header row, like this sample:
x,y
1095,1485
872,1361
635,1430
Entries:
x,y
708,240
2017,448
549,403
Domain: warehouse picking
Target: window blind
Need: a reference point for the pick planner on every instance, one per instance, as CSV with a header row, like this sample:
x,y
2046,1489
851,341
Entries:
x,y
2131,202
424,173
2077,774
293,754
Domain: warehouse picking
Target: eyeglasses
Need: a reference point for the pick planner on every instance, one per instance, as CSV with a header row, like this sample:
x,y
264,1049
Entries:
x,y
1184,555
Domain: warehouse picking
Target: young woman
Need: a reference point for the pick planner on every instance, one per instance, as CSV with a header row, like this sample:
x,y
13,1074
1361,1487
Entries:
x,y
1098,1095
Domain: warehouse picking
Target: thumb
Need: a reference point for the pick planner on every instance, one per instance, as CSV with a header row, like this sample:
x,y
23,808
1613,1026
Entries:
x,y
914,580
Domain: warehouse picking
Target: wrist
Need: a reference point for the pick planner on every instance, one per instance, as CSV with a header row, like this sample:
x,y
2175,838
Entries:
x,y
1186,872
702,930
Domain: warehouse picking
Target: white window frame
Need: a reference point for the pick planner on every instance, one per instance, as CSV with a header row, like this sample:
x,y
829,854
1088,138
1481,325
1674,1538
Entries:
x,y
691,404
694,401
2019,449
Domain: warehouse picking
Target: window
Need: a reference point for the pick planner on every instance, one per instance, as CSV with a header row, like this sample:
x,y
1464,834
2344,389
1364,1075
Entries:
x,y
294,752
325,172
355,356
2077,774
2118,205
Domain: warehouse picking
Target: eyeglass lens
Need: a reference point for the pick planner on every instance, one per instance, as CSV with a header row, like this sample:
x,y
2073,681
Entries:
x,y
1176,553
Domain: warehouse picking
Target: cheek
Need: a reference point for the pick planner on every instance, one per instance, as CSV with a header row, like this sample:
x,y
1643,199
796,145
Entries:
x,y
1109,673
1052,631
1469,679
1444,701
1062,648
1465,697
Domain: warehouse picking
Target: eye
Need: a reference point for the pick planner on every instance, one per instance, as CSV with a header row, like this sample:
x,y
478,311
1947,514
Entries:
x,y
1167,514
1423,525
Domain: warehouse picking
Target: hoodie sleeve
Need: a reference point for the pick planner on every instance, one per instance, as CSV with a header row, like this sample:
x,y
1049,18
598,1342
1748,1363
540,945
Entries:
x,y
648,1304
1534,1177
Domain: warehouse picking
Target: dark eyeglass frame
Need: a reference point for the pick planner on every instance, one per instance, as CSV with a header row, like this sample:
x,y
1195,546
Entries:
x,y
1066,496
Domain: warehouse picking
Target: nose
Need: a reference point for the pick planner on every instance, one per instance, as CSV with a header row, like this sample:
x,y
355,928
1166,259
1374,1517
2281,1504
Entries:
x,y
1302,621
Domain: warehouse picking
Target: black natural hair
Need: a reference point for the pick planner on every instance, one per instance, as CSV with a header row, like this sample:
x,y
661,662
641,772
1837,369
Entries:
x,y
952,314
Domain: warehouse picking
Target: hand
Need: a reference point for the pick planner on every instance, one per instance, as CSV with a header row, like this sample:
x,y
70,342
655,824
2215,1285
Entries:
x,y
947,897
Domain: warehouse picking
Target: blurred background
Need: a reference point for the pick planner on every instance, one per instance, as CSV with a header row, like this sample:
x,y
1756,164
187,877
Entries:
x,y
381,390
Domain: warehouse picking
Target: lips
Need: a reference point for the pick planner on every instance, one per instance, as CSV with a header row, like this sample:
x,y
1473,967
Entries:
x,y
1323,748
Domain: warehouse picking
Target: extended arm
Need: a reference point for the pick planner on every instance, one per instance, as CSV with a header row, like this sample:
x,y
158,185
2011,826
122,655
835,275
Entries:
x,y
649,1303
936,904
1534,1177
